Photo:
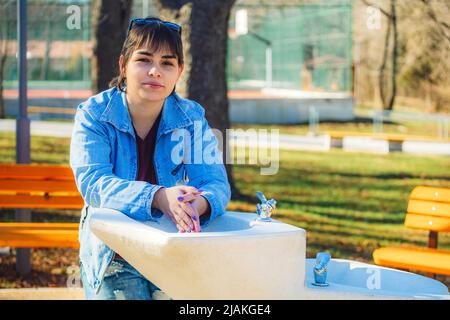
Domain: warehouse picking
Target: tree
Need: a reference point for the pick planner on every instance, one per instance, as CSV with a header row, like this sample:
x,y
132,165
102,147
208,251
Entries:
x,y
109,24
444,26
423,68
425,53
386,82
205,35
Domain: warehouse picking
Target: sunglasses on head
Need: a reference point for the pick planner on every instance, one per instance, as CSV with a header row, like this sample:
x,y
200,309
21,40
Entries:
x,y
145,21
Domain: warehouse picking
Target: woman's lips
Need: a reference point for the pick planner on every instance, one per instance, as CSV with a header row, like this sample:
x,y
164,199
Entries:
x,y
154,85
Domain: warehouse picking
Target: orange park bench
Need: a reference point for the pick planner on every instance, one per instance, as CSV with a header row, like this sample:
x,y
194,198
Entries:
x,y
428,209
38,186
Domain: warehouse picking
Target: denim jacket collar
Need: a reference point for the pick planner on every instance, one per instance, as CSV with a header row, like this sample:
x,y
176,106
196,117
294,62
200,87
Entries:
x,y
173,116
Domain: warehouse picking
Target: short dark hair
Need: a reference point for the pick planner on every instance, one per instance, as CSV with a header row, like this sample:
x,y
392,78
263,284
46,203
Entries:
x,y
156,36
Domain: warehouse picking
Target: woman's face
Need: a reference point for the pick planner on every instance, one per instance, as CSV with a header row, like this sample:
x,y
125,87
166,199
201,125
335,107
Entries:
x,y
151,75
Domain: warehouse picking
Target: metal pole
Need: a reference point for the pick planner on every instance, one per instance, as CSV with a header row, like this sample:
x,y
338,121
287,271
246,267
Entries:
x,y
23,261
313,121
269,67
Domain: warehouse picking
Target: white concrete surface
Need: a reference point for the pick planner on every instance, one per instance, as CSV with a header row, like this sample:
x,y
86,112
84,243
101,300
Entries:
x,y
234,257
422,147
285,141
365,144
355,279
307,142
237,257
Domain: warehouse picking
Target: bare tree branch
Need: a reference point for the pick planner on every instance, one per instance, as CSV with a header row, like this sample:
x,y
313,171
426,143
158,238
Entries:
x,y
443,26
367,3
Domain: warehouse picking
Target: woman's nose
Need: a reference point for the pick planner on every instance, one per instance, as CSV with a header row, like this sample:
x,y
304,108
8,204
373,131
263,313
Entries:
x,y
154,72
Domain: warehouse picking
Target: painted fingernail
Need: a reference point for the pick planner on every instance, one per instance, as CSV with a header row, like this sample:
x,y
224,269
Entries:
x,y
194,218
189,229
180,198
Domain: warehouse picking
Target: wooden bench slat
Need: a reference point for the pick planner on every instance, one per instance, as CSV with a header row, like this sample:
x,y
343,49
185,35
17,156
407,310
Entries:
x,y
67,239
431,194
39,235
431,208
39,243
58,190
38,225
18,185
36,171
35,202
422,259
426,222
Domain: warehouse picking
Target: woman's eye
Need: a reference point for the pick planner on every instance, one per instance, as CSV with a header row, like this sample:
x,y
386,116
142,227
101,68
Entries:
x,y
168,63
143,59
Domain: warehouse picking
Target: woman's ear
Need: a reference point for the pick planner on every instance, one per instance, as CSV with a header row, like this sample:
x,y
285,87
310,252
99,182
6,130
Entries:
x,y
121,65
180,70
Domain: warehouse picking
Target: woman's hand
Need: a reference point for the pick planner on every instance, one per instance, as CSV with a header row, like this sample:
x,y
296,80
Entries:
x,y
168,201
199,205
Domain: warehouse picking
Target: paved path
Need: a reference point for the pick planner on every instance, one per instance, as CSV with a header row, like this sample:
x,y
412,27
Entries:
x,y
286,141
41,128
42,294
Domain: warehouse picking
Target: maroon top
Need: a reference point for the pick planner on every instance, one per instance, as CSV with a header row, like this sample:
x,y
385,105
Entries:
x,y
146,151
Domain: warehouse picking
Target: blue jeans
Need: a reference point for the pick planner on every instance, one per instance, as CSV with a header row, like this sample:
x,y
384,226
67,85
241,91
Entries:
x,y
121,282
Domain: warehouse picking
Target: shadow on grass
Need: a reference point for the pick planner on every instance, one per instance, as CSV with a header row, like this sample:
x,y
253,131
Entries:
x,y
318,228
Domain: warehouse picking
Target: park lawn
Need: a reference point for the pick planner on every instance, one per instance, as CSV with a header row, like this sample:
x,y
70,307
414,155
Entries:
x,y
349,203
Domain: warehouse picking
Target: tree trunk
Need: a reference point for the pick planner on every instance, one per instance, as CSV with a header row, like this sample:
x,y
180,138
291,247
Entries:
x,y
390,105
382,83
109,24
45,67
388,84
205,36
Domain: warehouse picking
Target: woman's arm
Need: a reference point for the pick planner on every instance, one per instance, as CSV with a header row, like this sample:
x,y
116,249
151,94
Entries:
x,y
90,152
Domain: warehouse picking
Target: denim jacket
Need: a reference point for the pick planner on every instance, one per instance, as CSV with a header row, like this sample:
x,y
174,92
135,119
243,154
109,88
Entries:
x,y
104,160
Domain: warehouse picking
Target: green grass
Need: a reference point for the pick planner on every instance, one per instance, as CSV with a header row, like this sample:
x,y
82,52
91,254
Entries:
x,y
349,203
43,149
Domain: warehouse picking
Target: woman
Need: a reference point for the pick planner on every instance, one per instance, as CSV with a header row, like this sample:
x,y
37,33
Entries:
x,y
126,155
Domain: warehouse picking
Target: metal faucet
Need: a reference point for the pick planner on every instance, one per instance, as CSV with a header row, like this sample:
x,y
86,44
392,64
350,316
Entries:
x,y
320,269
265,208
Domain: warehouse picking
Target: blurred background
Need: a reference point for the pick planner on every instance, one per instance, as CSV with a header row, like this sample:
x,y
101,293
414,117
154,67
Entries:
x,y
359,91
